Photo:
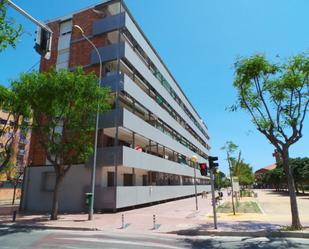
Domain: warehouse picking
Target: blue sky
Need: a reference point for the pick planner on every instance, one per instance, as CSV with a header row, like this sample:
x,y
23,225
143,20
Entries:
x,y
199,40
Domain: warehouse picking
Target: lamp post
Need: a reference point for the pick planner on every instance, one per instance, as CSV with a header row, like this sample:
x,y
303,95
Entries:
x,y
194,160
90,214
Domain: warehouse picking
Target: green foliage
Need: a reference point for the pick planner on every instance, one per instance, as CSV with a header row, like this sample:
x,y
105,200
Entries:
x,y
276,177
237,166
242,207
300,167
229,147
300,171
275,94
221,181
17,110
8,172
9,30
243,171
64,104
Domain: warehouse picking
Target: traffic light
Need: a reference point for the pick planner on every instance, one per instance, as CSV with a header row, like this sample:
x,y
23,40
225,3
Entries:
x,y
212,162
43,42
203,169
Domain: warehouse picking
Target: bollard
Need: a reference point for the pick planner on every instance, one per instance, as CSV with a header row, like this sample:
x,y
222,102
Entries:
x,y
122,220
154,222
14,216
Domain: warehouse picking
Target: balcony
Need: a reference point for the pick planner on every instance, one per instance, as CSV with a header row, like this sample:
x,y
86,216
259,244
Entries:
x,y
124,21
126,119
128,157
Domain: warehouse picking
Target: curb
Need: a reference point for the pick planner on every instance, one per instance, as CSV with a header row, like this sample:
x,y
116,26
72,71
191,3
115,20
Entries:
x,y
40,227
261,233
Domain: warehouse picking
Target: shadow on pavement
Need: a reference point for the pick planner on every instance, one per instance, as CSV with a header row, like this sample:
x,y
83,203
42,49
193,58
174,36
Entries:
x,y
245,243
284,193
239,226
14,230
20,220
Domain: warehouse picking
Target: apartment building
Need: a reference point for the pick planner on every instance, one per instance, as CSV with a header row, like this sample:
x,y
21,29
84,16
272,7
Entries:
x,y
147,140
19,144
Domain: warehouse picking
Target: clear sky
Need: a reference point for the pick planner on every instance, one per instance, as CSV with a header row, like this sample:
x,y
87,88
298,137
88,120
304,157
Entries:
x,y
198,40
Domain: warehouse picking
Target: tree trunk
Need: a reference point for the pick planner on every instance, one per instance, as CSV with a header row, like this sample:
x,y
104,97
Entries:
x,y
55,204
302,188
291,187
296,188
14,194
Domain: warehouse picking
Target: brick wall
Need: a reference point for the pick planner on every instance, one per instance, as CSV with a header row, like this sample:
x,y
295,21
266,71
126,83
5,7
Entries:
x,y
80,55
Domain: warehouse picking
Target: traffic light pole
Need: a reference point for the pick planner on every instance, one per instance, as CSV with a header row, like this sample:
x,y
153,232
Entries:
x,y
213,197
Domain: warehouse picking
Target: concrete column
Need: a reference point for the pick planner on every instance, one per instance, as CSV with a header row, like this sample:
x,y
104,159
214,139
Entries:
x,y
149,150
133,140
134,176
149,178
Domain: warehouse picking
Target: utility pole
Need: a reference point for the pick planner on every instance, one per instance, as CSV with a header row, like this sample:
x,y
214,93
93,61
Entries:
x,y
213,197
213,165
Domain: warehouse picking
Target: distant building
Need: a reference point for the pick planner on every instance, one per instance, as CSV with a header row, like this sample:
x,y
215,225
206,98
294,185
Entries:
x,y
146,141
265,169
20,144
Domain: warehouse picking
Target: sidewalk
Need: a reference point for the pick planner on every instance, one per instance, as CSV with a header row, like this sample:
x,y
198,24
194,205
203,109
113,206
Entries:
x,y
178,217
179,214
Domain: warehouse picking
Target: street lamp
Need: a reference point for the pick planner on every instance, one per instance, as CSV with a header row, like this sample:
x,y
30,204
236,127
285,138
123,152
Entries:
x,y
194,160
90,214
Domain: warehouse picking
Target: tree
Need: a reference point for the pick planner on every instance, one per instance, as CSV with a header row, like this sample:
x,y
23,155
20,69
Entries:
x,y
64,108
276,95
300,169
220,180
17,112
243,171
230,148
13,174
9,30
275,177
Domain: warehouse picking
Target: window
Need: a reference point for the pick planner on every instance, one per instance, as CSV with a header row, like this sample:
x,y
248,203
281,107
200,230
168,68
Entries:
x,y
2,121
110,179
127,179
48,181
63,56
145,180
21,147
66,27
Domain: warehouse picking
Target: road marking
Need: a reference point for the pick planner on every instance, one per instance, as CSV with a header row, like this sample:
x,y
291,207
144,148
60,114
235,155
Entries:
x,y
115,241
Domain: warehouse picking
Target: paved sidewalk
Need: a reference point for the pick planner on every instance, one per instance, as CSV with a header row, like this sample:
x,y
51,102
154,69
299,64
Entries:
x,y
173,216
170,216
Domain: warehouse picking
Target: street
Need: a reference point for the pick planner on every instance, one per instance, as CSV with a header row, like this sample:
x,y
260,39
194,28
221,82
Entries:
x,y
27,238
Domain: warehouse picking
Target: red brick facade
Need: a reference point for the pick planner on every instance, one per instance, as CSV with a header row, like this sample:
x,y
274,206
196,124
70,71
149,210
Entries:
x,y
80,55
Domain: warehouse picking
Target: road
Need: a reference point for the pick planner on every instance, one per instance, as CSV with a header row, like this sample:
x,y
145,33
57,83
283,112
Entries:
x,y
45,239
